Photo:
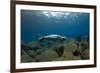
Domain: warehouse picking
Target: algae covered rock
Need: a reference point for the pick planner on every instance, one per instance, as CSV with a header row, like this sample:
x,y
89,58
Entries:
x,y
85,54
59,50
33,44
31,53
68,56
54,48
71,46
25,57
47,55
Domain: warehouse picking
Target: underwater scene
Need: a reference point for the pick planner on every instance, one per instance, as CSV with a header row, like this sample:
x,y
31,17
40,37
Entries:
x,y
54,36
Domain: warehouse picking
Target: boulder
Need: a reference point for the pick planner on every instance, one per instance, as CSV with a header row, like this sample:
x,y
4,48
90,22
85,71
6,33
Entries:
x,y
85,54
71,46
68,56
25,57
47,55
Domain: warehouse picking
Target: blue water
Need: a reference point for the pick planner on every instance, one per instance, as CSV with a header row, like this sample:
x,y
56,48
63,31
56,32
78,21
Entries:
x,y
37,22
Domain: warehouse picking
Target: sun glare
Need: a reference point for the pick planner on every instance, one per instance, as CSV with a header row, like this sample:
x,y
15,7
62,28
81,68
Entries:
x,y
55,14
61,15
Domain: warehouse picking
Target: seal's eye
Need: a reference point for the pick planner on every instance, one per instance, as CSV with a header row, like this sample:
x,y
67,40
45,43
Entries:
x,y
76,53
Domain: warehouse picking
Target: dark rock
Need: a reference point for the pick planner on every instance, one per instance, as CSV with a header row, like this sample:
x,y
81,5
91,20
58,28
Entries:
x,y
59,50
76,53
85,54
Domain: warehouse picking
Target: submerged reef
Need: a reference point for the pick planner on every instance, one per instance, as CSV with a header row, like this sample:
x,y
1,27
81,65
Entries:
x,y
55,48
